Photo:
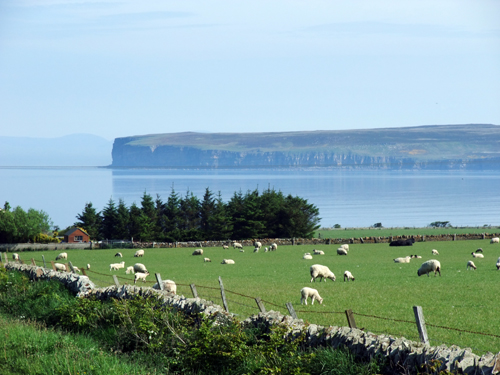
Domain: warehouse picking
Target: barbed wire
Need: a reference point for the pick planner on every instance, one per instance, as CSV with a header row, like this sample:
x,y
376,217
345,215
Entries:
x,y
380,317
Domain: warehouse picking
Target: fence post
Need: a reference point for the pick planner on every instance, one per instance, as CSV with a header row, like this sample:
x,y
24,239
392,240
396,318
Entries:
x,y
6,258
419,318
223,294
193,290
117,283
350,319
159,281
33,261
454,237
53,265
83,272
71,267
292,312
21,261
260,305
44,264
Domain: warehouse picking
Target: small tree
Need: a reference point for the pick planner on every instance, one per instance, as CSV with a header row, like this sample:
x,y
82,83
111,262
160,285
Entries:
x,y
337,226
377,225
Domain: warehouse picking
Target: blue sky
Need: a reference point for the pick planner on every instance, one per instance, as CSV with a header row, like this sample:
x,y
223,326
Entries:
x,y
120,68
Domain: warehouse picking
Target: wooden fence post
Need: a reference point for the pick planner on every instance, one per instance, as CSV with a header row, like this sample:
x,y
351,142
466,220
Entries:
x,y
193,290
454,237
419,318
33,262
292,312
83,272
261,306
350,319
6,258
53,265
159,281
223,294
44,264
117,283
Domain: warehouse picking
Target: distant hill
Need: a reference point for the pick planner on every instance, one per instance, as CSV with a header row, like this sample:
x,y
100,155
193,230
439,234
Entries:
x,y
472,146
67,151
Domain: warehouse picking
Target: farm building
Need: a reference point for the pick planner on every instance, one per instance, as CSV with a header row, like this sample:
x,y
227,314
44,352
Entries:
x,y
75,235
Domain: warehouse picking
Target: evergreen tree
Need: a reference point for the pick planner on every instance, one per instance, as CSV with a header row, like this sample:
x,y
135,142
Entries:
x,y
135,222
246,215
123,218
298,218
190,215
207,209
171,217
109,221
271,202
219,222
90,220
149,212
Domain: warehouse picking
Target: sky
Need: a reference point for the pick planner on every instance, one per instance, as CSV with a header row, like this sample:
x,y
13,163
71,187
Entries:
x,y
122,68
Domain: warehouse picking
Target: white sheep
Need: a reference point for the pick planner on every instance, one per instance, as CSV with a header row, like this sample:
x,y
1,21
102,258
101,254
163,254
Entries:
x,y
430,266
15,256
139,253
471,265
237,245
60,267
495,240
341,251
345,246
140,276
242,251
206,260
477,255
265,250
198,252
227,261
434,252
130,270
76,269
168,286
498,264
62,256
318,252
119,255
403,260
348,276
139,267
88,266
307,256
273,247
323,272
479,250
225,247
256,250
306,293
116,266
258,244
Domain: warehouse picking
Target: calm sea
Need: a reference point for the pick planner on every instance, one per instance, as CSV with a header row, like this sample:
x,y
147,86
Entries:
x,y
348,198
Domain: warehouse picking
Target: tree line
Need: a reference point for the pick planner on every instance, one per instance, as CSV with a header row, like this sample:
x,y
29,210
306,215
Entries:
x,y
19,226
267,214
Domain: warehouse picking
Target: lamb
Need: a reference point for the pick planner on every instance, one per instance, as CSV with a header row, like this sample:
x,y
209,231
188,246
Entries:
x,y
15,256
169,286
88,266
273,247
318,252
237,245
242,251
307,256
227,261
429,266
256,250
130,270
119,255
348,276
225,247
265,250
495,240
140,276
471,265
323,272
408,242
60,267
341,251
62,256
139,253
139,267
435,252
477,255
345,246
76,269
306,293
403,260
258,244
498,264
116,266
198,252
206,260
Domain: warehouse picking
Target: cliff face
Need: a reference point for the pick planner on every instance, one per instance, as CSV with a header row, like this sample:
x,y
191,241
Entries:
x,y
355,151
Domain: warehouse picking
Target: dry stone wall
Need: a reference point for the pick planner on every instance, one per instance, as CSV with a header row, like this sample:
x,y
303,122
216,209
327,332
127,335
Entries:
x,y
403,355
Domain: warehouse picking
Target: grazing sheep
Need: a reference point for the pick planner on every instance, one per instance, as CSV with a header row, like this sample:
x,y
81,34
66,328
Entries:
x,y
307,256
15,256
88,266
139,253
60,267
403,260
62,256
471,265
498,264
256,250
306,293
169,286
318,252
323,272
237,245
206,260
76,269
119,255
225,246
227,261
130,270
198,252
273,247
477,255
341,251
242,251
495,240
140,276
139,267
348,276
435,252
408,242
345,246
258,244
265,249
116,266
480,250
430,266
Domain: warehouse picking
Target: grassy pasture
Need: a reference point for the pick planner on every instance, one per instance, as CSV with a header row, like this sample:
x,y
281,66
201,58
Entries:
x,y
387,232
459,299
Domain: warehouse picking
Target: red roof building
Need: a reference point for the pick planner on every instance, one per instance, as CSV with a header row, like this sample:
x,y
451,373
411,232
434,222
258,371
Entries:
x,y
76,235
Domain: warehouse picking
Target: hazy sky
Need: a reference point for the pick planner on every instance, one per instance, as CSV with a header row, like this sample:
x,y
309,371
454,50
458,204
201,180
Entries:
x,y
120,68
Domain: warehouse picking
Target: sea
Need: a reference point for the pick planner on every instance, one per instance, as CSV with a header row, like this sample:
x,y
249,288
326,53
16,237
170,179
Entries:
x,y
350,198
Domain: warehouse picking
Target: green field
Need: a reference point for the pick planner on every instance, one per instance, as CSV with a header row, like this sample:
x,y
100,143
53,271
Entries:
x,y
400,231
381,298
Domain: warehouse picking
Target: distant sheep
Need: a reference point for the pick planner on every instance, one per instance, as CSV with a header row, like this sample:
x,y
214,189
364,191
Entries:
x,y
480,250
477,255
62,256
273,247
139,267
265,250
345,246
198,252
408,242
227,261
498,264
76,269
242,251
15,256
116,266
471,265
318,252
256,250
139,253
169,286
495,240
307,256
403,260
434,252
306,293
88,266
341,251
119,255
60,267
140,276
258,244
225,246
206,260
323,272
237,245
130,270
432,265
348,276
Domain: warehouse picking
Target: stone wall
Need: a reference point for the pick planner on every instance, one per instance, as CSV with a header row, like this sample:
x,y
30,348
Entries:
x,y
403,355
